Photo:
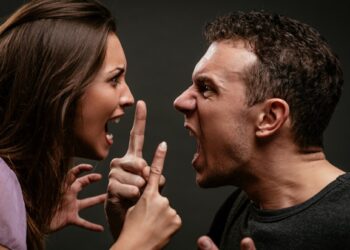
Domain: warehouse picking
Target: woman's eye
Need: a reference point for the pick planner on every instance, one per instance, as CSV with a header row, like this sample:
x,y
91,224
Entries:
x,y
115,81
117,78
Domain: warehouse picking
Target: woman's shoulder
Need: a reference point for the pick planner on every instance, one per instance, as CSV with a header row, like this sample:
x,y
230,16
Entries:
x,y
12,210
10,188
8,178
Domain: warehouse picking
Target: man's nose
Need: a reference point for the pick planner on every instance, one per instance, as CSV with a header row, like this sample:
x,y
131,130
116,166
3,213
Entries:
x,y
185,102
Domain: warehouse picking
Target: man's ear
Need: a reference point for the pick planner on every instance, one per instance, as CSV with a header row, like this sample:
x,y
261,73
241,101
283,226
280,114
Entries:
x,y
274,113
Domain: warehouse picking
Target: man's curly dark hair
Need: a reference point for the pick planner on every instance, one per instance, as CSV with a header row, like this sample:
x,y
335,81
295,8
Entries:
x,y
295,63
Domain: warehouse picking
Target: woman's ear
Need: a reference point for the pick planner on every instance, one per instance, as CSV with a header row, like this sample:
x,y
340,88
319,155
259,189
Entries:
x,y
274,113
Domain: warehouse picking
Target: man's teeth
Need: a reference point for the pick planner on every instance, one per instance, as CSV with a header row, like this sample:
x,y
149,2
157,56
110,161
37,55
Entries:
x,y
191,133
117,120
109,136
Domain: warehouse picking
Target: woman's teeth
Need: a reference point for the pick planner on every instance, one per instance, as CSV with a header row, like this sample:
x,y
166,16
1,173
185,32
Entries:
x,y
109,136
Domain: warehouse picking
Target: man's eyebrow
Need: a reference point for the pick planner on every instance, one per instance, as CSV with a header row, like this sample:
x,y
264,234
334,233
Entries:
x,y
202,78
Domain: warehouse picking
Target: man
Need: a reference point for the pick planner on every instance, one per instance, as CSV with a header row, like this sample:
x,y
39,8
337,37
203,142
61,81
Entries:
x,y
261,98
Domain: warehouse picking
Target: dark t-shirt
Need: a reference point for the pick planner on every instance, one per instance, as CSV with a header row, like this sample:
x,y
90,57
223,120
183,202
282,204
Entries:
x,y
322,222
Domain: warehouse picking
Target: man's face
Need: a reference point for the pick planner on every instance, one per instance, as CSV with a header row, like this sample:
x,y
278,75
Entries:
x,y
217,115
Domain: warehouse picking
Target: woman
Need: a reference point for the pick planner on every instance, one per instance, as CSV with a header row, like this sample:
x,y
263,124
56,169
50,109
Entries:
x,y
62,80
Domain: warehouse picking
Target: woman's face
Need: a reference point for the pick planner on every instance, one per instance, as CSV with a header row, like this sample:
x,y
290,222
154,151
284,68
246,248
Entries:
x,y
103,102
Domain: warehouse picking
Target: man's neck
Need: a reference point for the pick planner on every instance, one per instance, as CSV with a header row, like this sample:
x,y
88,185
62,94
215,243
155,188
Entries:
x,y
284,178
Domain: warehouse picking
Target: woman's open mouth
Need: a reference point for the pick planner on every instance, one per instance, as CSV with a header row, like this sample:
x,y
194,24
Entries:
x,y
109,136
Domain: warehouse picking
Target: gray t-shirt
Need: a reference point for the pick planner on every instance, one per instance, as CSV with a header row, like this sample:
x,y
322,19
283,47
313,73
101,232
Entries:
x,y
13,225
322,222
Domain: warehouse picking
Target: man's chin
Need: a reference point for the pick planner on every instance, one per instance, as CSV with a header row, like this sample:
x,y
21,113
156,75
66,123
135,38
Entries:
x,y
205,182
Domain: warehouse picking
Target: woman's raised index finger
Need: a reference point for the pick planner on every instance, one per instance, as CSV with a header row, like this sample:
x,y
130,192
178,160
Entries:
x,y
157,168
137,133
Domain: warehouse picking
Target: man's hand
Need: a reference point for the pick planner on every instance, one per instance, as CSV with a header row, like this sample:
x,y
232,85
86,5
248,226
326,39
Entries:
x,y
247,244
68,210
151,222
128,175
205,243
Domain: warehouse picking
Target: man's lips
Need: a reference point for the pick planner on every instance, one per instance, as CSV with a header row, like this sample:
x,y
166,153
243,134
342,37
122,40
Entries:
x,y
192,133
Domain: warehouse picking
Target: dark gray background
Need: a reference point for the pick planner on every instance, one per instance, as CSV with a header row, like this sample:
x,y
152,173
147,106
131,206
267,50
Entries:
x,y
162,42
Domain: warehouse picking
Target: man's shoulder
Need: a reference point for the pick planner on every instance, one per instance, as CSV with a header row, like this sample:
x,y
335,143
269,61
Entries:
x,y
338,193
232,206
345,178
236,199
339,190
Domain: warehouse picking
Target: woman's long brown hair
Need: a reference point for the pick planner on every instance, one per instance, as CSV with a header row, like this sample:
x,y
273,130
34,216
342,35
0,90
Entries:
x,y
49,52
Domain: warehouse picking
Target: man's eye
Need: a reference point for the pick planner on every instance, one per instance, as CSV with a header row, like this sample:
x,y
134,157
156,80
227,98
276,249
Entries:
x,y
204,89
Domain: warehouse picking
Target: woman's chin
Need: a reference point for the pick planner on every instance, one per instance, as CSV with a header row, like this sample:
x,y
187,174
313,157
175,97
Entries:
x,y
96,155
